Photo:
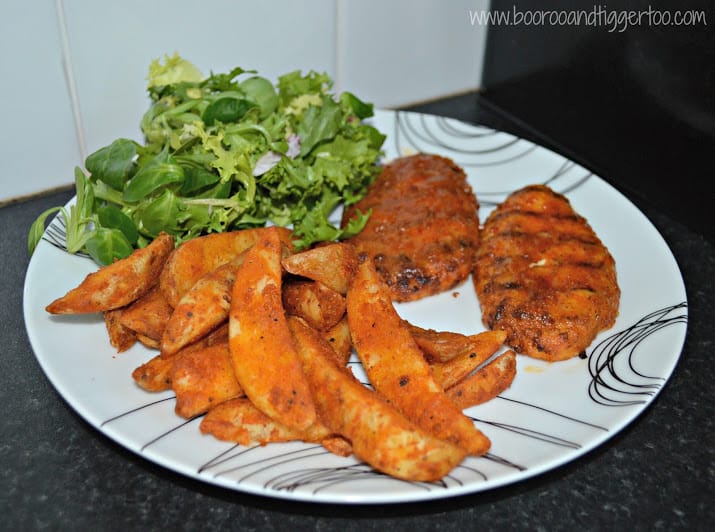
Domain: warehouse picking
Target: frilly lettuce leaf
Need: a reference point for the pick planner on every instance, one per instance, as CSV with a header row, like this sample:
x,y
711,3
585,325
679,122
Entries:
x,y
175,69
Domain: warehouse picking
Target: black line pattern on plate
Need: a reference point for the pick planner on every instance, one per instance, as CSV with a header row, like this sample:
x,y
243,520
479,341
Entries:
x,y
447,126
297,476
137,409
56,234
223,457
419,132
141,408
407,136
430,137
503,461
618,384
321,479
554,413
260,464
530,433
326,478
565,167
277,460
168,432
486,198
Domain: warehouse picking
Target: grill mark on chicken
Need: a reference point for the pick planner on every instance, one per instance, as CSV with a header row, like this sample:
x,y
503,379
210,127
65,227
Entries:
x,y
542,274
528,214
566,237
423,232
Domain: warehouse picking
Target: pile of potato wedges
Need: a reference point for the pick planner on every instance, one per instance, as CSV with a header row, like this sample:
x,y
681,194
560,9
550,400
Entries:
x,y
256,338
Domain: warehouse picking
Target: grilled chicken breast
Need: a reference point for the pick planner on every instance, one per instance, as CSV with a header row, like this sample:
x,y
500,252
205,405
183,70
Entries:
x,y
543,276
424,228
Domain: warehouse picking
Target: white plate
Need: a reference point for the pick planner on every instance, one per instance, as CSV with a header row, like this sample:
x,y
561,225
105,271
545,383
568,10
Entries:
x,y
552,414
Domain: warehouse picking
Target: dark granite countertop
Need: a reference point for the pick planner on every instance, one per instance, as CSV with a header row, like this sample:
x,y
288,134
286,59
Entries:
x,y
59,473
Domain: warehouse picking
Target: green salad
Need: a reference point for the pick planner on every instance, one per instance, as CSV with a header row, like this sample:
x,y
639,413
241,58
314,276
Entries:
x,y
224,152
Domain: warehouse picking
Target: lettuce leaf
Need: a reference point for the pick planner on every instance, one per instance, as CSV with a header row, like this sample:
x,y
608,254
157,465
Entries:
x,y
222,153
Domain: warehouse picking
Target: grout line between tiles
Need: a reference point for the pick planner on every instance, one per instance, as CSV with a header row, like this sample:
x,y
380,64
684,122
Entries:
x,y
70,78
339,45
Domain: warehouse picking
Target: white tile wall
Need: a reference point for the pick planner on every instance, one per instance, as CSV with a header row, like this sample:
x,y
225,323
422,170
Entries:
x,y
389,52
111,57
397,52
38,143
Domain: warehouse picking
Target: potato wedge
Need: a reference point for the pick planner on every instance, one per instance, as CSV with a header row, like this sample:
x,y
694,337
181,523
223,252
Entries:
x,y
442,346
339,339
320,306
154,375
195,258
217,336
396,367
379,434
337,445
452,371
118,284
120,337
201,309
202,379
262,350
438,346
485,384
331,264
239,421
148,342
148,315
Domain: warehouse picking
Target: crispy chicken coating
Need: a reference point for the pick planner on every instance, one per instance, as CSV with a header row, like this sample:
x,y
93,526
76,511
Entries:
x,y
543,276
424,228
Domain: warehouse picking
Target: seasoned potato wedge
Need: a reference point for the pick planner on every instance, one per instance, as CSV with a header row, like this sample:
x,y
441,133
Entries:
x,y
396,367
485,384
202,379
217,336
331,264
339,339
118,284
320,306
148,315
201,309
155,374
337,445
239,421
452,371
195,258
148,342
442,346
379,434
120,337
262,350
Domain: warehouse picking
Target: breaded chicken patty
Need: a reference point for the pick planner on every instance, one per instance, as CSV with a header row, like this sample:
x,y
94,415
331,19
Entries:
x,y
543,276
424,228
